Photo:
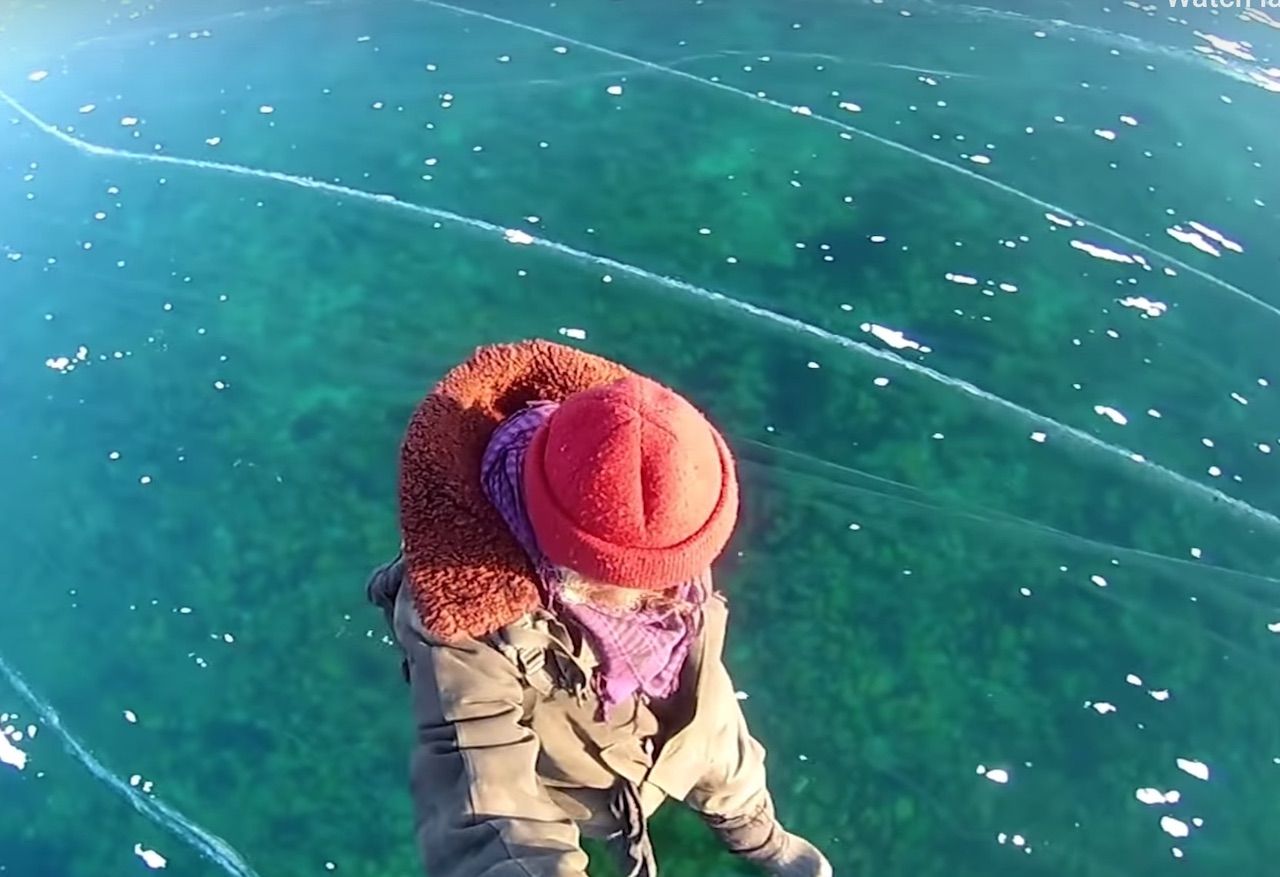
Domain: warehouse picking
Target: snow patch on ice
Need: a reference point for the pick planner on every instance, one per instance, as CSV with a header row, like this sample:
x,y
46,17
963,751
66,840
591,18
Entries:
x,y
1193,238
11,754
1197,769
1146,305
150,858
1111,414
1102,253
893,337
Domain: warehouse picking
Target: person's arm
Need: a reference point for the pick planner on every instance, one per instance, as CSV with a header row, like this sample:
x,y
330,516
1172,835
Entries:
x,y
732,795
733,798
480,808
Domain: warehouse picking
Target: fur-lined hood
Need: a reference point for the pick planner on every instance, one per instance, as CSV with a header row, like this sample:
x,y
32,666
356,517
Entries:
x,y
468,575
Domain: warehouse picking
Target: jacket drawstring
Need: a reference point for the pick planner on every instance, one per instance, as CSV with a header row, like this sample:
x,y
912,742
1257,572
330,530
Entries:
x,y
633,844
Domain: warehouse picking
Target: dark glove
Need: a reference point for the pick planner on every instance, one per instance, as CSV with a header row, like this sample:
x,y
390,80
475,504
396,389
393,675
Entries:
x,y
798,858
382,590
384,584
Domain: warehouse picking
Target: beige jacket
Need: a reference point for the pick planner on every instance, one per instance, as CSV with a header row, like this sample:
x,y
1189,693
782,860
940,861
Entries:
x,y
511,763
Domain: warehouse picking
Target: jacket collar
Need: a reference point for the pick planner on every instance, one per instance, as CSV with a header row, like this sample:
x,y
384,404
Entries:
x,y
468,575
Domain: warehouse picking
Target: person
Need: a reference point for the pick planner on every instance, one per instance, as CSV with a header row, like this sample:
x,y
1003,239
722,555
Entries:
x,y
559,630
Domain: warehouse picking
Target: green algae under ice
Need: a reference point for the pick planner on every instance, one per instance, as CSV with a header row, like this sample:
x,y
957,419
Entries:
x,y
983,297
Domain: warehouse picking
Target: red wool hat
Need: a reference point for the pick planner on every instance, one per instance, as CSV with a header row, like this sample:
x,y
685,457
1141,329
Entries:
x,y
629,484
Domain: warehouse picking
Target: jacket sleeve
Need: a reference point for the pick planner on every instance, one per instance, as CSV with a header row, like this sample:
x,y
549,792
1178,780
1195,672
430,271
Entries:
x,y
480,808
732,795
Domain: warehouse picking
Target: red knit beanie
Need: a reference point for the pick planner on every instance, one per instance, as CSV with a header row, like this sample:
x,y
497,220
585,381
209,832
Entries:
x,y
629,484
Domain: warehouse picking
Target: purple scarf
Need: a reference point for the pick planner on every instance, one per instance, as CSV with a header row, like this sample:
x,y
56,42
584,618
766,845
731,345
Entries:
x,y
639,650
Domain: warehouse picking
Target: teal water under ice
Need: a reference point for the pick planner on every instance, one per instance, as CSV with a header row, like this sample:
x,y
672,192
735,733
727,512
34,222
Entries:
x,y
984,297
